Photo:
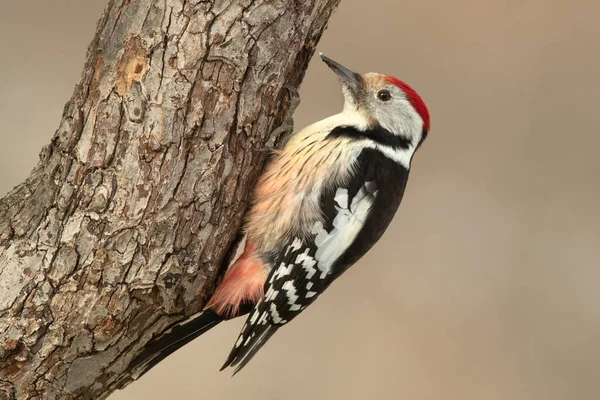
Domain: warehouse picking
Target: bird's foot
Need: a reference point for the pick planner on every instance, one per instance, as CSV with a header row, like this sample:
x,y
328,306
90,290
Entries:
x,y
287,128
280,134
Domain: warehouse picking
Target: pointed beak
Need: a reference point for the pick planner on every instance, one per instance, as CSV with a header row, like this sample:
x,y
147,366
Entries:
x,y
350,79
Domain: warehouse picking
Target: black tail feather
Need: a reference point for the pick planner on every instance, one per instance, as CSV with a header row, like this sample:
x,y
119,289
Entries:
x,y
244,351
172,339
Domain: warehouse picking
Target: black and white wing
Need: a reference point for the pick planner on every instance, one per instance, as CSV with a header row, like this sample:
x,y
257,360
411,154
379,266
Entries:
x,y
355,217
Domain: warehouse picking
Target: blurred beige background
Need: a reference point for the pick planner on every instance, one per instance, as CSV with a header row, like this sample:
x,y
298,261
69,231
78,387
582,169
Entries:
x,y
487,284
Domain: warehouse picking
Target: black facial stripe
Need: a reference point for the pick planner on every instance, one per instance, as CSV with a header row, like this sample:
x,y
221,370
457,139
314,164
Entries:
x,y
376,134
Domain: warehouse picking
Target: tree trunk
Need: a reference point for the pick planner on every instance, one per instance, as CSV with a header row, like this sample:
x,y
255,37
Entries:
x,y
128,220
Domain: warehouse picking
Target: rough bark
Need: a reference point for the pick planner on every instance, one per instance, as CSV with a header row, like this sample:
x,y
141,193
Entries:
x,y
126,223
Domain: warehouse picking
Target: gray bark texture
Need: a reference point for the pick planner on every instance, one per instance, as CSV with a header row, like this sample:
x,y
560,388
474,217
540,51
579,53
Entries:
x,y
128,220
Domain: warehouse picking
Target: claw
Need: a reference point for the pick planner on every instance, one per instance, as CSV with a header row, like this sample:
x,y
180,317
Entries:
x,y
293,100
293,92
280,134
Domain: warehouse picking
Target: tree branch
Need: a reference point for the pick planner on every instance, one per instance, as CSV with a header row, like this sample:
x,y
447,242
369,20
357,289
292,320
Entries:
x,y
126,223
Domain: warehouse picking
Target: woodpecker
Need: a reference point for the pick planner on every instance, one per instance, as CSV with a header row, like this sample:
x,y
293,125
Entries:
x,y
322,202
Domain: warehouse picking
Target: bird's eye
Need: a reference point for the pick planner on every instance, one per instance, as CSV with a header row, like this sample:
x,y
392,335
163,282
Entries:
x,y
384,95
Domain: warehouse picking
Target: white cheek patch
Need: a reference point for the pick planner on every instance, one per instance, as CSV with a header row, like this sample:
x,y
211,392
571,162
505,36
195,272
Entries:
x,y
400,119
